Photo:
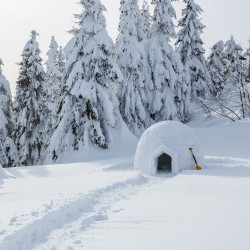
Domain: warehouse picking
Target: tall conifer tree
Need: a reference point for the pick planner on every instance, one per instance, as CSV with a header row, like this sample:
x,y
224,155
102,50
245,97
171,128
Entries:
x,y
131,58
216,65
236,92
91,109
29,110
8,153
55,81
190,46
164,62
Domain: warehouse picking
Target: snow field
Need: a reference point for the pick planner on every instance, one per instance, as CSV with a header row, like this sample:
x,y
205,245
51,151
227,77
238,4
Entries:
x,y
193,210
126,210
104,204
40,209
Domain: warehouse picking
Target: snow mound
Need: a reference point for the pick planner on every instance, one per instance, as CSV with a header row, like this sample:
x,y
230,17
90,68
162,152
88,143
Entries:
x,y
123,144
169,138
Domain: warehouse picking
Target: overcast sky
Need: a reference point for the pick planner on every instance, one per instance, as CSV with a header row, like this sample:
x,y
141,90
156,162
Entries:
x,y
223,18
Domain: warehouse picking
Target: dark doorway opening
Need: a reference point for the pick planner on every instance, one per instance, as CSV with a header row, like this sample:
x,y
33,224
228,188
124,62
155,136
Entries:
x,y
164,163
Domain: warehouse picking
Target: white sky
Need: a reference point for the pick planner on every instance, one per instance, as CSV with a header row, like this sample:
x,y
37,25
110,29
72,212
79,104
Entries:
x,y
55,17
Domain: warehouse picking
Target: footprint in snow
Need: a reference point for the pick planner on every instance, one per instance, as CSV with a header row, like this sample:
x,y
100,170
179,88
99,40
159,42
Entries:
x,y
78,242
34,213
13,220
91,220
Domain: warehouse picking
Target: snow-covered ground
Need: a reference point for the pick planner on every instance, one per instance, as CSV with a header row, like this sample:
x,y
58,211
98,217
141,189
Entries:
x,y
104,204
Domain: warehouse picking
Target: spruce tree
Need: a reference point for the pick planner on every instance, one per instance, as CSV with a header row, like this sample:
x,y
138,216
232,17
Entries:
x,y
3,135
8,152
164,62
4,162
233,99
190,46
61,90
236,92
247,54
51,73
131,58
5,100
91,109
146,21
55,81
29,110
182,94
216,67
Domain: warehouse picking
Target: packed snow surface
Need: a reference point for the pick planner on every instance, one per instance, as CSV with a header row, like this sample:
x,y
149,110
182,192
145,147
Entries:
x,y
175,137
105,204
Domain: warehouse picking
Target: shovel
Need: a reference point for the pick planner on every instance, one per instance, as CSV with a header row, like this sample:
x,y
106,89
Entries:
x,y
197,166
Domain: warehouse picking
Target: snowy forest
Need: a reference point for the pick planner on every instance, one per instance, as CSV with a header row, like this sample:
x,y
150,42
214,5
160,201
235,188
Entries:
x,y
153,72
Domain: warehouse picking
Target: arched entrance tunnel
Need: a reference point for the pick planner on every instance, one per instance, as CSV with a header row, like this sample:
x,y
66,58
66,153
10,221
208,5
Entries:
x,y
164,163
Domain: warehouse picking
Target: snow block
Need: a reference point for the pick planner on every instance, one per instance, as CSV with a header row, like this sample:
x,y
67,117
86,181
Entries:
x,y
164,147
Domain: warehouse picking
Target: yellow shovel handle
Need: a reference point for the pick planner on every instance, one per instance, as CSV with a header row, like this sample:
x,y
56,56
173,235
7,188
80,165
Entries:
x,y
197,166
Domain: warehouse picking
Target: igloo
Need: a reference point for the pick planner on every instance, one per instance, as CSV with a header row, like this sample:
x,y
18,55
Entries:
x,y
165,147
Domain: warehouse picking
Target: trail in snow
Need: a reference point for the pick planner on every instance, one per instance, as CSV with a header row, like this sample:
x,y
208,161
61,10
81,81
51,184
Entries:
x,y
28,194
69,233
88,209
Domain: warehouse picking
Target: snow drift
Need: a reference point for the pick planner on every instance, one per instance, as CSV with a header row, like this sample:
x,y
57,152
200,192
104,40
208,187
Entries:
x,y
2,173
123,144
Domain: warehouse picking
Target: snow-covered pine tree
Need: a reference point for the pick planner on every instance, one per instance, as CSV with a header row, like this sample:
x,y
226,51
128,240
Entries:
x,y
4,162
55,81
164,62
91,108
51,65
3,135
5,99
236,92
51,83
8,153
131,58
138,21
233,101
183,95
29,111
61,90
145,19
247,54
190,46
216,67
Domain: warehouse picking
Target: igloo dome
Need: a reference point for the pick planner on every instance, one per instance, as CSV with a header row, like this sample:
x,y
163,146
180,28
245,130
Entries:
x,y
165,147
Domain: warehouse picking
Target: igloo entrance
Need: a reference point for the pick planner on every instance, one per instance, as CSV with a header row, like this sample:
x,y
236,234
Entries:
x,y
164,163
